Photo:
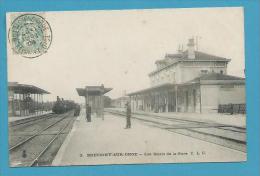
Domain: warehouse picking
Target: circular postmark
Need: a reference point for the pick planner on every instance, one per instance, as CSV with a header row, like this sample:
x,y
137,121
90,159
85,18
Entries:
x,y
30,35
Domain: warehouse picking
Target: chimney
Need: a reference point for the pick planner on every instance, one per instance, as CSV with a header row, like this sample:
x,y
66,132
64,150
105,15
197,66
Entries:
x,y
191,53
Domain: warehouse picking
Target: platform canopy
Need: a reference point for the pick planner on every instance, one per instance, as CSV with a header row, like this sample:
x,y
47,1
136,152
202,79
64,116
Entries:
x,y
92,90
25,89
94,98
152,89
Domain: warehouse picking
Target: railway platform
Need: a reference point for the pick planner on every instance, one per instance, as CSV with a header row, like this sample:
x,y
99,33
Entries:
x,y
15,118
107,142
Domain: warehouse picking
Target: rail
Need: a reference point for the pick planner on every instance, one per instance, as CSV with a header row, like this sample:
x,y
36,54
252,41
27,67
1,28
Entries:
x,y
35,161
191,130
31,137
232,108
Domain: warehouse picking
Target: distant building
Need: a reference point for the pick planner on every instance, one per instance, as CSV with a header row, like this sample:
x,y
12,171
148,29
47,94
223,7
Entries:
x,y
189,81
107,102
120,102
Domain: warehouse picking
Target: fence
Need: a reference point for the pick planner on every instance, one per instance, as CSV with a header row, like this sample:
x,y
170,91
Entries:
x,y
232,108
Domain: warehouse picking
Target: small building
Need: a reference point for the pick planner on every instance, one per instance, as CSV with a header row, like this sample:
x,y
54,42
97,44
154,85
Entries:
x,y
24,99
94,97
189,81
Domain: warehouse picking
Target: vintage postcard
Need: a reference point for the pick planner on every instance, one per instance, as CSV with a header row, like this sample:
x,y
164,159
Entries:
x,y
126,86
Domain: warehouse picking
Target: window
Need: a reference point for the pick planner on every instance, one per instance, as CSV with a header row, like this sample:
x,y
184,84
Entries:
x,y
173,77
221,72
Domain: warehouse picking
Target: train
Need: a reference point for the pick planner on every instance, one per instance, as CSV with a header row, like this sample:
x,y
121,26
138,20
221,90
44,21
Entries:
x,y
62,106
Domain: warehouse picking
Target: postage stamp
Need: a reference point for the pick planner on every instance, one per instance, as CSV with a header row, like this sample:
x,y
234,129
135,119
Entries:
x,y
30,35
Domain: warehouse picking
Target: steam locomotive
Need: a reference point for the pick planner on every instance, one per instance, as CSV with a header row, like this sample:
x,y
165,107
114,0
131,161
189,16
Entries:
x,y
61,106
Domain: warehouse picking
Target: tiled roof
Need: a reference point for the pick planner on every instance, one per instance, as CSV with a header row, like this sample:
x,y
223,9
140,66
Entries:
x,y
215,76
199,56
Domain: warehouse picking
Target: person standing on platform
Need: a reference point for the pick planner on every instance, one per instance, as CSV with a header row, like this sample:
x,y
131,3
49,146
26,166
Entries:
x,y
88,111
77,110
128,116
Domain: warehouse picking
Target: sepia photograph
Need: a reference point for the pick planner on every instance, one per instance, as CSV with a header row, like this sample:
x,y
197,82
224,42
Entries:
x,y
105,87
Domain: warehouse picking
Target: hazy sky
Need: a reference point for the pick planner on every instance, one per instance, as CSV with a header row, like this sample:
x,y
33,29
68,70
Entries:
x,y
119,48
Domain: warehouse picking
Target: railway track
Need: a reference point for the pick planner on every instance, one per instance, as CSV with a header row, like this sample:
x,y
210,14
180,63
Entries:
x,y
26,128
38,146
35,162
229,136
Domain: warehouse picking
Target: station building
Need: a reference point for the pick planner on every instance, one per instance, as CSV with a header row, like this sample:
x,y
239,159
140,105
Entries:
x,y
24,100
189,81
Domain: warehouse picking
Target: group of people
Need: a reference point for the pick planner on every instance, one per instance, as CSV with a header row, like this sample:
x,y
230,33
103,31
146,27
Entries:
x,y
128,114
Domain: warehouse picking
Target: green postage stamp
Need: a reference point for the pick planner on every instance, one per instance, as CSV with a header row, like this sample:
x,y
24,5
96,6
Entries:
x,y
30,35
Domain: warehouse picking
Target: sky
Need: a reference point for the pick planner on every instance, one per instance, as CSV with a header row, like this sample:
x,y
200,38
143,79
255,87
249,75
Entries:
x,y
118,48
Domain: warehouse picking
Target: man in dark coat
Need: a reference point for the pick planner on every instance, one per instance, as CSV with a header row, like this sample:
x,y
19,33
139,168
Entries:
x,y
128,116
88,109
77,110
